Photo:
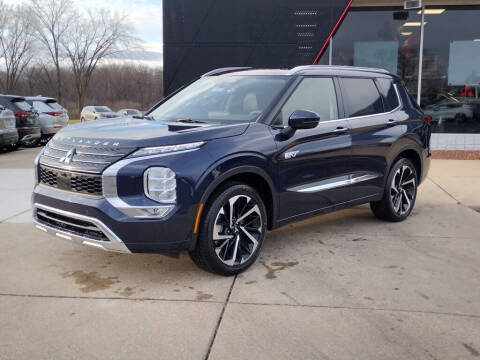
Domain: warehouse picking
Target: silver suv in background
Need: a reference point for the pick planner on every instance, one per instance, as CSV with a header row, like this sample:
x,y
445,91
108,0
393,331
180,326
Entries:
x,y
129,112
8,129
52,116
97,112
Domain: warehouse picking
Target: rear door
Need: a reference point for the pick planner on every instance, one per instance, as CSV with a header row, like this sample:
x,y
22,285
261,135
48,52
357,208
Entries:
x,y
373,122
313,164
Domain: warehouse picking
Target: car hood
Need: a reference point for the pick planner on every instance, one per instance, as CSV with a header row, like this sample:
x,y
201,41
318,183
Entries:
x,y
127,132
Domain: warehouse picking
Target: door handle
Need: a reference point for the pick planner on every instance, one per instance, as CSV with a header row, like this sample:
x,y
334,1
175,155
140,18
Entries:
x,y
340,130
391,122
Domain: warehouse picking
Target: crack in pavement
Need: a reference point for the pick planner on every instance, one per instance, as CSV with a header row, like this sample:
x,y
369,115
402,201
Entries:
x,y
220,318
227,301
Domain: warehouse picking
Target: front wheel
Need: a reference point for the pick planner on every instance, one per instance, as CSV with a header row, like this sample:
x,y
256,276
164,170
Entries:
x,y
400,193
232,232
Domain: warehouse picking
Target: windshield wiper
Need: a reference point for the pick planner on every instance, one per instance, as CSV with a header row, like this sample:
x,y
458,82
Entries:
x,y
190,121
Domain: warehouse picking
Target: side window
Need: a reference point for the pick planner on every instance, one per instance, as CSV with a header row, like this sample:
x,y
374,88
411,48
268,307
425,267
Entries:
x,y
314,94
361,96
389,94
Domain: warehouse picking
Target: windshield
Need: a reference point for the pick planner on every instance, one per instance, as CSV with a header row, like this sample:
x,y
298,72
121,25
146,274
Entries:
x,y
133,112
102,109
222,98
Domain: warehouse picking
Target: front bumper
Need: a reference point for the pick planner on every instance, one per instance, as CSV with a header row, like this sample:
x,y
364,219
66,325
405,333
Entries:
x,y
170,234
54,222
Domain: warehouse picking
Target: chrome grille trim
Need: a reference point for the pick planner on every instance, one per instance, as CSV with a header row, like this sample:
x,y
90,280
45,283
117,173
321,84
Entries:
x,y
89,155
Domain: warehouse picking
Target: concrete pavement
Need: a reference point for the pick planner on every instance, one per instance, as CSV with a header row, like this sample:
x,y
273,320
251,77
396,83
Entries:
x,y
338,286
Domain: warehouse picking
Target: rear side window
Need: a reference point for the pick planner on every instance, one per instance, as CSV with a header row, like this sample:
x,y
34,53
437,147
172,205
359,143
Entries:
x,y
361,97
313,94
389,94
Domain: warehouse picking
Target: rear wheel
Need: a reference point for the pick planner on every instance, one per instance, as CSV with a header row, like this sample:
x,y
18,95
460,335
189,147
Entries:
x,y
400,193
232,232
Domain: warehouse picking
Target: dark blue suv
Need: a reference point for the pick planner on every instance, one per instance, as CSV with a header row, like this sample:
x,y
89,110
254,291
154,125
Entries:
x,y
238,152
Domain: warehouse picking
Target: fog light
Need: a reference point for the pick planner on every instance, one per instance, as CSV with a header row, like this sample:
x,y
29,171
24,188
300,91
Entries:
x,y
160,184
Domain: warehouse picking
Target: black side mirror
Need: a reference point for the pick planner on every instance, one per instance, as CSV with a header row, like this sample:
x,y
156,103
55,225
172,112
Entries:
x,y
300,120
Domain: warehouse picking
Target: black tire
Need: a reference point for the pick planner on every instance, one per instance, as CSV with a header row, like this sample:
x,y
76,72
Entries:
x,y
399,194
14,147
216,220
82,119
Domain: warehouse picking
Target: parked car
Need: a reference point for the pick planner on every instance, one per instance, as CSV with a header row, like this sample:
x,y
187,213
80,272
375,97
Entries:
x,y
52,116
237,152
449,108
8,130
26,120
97,112
129,112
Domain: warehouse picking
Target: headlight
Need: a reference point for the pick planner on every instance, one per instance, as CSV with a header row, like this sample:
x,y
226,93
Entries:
x,y
160,185
166,149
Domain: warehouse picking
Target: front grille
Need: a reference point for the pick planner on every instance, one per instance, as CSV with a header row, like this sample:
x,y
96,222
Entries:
x,y
74,226
70,181
86,155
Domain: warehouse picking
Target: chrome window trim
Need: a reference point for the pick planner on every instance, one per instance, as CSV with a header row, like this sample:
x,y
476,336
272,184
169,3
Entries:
x,y
115,244
399,107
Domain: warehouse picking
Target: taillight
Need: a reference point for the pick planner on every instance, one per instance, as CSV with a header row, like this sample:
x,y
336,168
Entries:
x,y
21,114
54,113
427,119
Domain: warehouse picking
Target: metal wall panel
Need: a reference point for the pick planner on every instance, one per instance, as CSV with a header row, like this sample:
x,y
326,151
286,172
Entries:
x,y
202,35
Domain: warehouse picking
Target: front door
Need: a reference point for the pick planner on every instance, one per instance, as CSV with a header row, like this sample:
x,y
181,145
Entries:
x,y
313,166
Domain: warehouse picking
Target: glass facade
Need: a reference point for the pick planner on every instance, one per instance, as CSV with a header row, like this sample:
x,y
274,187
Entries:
x,y
389,38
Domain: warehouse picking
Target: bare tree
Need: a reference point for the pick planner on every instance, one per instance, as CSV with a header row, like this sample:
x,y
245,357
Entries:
x,y
52,19
16,44
92,38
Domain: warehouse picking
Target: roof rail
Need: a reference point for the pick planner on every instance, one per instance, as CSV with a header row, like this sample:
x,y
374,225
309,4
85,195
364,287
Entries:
x,y
225,70
336,67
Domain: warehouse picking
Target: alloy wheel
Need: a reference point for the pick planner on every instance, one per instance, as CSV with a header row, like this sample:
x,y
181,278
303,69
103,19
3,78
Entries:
x,y
237,230
403,189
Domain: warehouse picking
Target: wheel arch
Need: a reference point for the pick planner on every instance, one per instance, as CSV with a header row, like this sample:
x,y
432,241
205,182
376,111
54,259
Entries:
x,y
412,154
253,176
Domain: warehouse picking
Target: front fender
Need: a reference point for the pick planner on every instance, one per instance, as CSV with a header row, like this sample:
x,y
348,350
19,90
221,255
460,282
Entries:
x,y
226,168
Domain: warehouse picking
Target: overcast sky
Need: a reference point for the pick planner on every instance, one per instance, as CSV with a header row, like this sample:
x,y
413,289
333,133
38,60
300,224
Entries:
x,y
146,16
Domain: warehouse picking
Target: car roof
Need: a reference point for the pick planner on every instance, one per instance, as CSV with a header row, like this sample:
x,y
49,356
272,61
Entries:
x,y
12,97
305,70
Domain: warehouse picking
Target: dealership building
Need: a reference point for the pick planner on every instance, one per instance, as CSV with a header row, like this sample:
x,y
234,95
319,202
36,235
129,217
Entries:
x,y
438,59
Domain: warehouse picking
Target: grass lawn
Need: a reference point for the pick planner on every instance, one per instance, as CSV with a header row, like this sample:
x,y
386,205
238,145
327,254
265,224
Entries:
x,y
73,121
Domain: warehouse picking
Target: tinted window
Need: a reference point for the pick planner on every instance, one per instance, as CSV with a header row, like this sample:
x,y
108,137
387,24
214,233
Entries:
x,y
361,97
389,94
102,109
314,94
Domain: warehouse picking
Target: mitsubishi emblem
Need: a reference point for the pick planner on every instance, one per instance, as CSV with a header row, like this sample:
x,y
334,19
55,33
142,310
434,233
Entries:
x,y
67,159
